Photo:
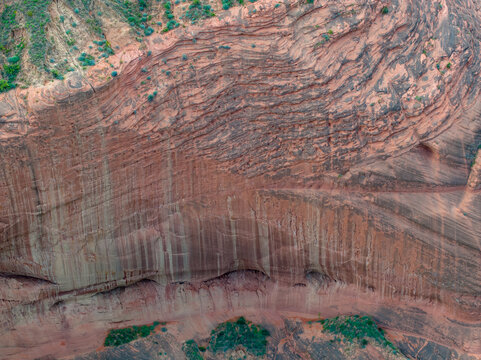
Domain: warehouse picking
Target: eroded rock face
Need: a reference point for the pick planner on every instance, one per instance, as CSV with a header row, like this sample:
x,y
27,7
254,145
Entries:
x,y
325,141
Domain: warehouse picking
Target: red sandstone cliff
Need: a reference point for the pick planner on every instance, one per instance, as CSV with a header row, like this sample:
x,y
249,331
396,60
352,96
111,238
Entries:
x,y
345,156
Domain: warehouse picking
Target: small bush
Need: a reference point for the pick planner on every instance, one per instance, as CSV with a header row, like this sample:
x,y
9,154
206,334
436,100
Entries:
x,y
13,60
11,71
171,24
384,10
149,31
57,75
226,4
5,85
114,73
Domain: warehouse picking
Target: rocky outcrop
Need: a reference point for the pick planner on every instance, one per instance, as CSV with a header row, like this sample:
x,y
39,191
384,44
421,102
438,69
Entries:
x,y
323,143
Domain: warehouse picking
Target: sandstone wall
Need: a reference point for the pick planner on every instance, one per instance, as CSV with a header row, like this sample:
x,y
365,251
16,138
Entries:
x,y
347,155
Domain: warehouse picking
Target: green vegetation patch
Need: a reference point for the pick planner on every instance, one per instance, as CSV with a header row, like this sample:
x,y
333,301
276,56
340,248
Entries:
x,y
118,337
227,4
133,13
191,350
358,329
36,19
85,11
7,19
229,335
168,14
10,49
86,59
197,11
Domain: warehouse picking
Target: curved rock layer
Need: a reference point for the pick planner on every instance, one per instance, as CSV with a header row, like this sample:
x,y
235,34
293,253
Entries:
x,y
300,139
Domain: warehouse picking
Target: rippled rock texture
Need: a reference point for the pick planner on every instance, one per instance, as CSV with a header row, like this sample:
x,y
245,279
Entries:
x,y
325,143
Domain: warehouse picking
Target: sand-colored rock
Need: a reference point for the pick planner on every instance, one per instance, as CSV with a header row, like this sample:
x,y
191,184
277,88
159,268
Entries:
x,y
350,160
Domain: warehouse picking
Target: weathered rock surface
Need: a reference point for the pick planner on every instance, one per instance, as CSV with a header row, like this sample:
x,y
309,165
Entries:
x,y
341,164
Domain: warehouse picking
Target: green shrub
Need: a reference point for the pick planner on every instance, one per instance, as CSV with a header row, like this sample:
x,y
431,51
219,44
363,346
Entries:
x,y
13,59
11,71
171,24
197,11
357,329
56,74
229,335
114,73
118,337
148,31
131,11
191,350
86,59
5,85
36,21
384,10
7,19
226,4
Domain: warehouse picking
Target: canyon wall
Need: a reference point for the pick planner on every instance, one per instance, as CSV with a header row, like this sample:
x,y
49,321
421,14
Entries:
x,y
325,140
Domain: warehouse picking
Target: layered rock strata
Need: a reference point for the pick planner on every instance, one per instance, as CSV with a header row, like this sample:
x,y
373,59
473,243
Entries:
x,y
326,140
